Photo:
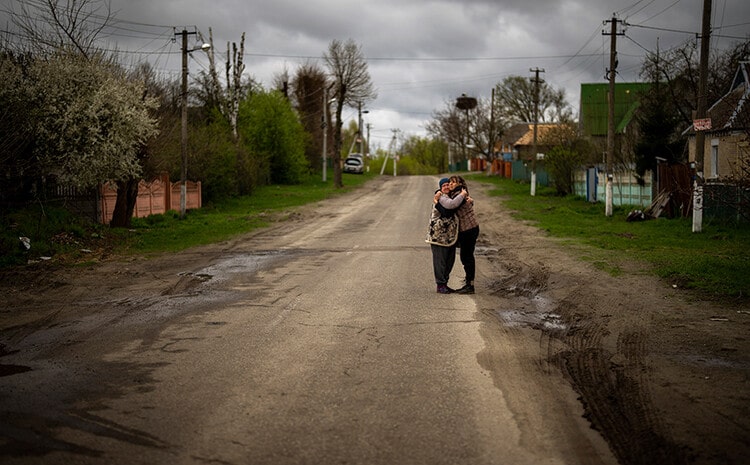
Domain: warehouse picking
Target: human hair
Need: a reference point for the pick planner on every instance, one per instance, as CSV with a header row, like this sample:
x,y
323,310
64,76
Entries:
x,y
459,180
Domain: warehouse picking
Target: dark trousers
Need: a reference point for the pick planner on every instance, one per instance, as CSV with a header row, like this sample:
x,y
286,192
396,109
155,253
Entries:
x,y
443,259
467,241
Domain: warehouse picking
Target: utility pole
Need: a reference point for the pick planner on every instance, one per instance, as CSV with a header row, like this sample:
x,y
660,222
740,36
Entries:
x,y
491,151
359,125
534,149
700,136
391,153
360,136
611,73
466,103
325,131
360,112
395,156
367,142
183,134
184,116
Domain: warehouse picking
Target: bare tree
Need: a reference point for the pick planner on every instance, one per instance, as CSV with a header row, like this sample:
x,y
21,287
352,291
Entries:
x,y
73,25
515,102
227,101
471,130
677,69
446,124
352,87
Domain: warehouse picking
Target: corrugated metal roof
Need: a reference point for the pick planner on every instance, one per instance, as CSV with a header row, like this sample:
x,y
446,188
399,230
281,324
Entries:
x,y
595,105
732,111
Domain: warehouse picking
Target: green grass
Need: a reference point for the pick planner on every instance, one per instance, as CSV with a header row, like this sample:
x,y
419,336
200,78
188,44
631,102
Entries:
x,y
56,233
715,263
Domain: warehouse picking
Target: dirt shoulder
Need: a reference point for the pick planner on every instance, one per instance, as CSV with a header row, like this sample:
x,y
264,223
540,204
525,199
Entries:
x,y
665,378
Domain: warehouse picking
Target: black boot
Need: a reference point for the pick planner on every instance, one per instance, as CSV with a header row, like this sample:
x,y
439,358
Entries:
x,y
468,288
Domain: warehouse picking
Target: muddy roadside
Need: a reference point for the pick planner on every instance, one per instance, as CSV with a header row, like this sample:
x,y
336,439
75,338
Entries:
x,y
664,376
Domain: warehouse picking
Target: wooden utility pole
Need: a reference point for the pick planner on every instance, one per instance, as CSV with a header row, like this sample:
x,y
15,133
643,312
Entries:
x,y
700,137
611,73
491,151
183,132
325,132
184,116
466,103
534,148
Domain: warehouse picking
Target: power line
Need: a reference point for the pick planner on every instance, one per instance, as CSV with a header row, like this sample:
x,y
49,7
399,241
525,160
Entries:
x,y
693,33
654,28
626,9
424,59
662,11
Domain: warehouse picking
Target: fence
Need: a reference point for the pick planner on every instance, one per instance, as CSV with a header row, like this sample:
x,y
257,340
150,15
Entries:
x,y
726,202
519,171
154,197
589,183
722,201
592,185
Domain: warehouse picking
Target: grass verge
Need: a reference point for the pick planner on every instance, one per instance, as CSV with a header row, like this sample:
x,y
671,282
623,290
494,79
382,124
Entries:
x,y
60,237
714,263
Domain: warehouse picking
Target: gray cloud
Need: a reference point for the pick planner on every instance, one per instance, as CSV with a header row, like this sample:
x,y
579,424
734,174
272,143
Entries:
x,y
423,53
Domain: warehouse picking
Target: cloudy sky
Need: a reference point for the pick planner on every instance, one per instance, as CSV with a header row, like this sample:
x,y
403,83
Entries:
x,y
421,54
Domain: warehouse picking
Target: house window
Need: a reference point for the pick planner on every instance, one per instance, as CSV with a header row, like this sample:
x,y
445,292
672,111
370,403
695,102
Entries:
x,y
715,158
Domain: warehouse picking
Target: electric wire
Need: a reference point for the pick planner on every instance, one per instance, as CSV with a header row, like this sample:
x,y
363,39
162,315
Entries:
x,y
662,11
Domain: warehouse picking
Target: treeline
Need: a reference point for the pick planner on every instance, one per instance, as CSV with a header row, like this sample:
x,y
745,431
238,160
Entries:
x,y
79,121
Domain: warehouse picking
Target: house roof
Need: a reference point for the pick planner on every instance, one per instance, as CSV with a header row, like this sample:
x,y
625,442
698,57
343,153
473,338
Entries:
x,y
595,106
732,111
522,134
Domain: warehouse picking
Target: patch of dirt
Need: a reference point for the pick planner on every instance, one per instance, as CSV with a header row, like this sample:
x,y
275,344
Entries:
x,y
663,375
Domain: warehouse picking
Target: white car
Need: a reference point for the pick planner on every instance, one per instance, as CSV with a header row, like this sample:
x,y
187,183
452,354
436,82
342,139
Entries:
x,y
354,165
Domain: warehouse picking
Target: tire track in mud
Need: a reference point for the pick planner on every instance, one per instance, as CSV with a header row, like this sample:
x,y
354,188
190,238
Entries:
x,y
611,379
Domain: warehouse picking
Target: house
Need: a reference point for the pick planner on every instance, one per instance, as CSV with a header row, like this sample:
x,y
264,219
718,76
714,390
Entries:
x,y
594,125
726,149
594,117
517,142
517,148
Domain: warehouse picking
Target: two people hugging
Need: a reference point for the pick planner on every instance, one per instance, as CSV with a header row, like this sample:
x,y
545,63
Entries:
x,y
453,224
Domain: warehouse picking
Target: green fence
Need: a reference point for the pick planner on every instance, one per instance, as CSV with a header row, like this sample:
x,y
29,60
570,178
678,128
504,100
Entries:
x,y
728,203
522,172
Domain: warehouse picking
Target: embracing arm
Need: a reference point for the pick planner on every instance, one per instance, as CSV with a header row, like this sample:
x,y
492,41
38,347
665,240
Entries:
x,y
454,202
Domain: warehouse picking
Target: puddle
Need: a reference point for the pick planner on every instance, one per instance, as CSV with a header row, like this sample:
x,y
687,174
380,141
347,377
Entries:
x,y
523,319
237,264
483,250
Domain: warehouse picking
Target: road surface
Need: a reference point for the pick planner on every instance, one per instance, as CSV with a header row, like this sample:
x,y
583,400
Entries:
x,y
320,340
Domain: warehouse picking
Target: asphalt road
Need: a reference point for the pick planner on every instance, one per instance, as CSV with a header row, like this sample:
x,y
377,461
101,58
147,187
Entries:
x,y
318,341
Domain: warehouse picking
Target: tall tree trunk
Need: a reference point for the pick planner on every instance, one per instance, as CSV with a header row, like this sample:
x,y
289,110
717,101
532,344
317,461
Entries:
x,y
127,194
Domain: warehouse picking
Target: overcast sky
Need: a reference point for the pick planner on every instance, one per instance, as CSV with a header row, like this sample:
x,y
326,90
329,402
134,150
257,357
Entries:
x,y
423,54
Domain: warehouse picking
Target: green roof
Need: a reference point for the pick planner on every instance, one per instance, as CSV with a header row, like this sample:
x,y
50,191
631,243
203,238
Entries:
x,y
595,106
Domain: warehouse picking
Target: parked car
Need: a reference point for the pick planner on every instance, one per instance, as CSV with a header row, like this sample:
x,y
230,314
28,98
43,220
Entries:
x,y
354,165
